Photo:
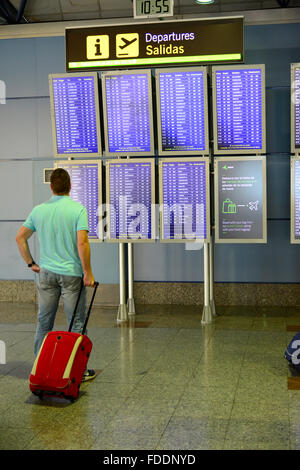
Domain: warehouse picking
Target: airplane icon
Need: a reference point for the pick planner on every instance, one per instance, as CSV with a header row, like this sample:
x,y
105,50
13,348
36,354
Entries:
x,y
253,206
127,43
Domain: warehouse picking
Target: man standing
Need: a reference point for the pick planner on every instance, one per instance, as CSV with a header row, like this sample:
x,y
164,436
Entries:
x,y
62,228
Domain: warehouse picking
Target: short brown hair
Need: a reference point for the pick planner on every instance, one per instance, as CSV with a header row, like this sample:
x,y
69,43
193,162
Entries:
x,y
60,181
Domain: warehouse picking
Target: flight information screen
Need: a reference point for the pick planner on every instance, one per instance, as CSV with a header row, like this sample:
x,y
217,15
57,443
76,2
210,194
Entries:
x,y
296,197
296,101
86,189
128,113
239,109
74,101
184,199
240,201
182,106
130,189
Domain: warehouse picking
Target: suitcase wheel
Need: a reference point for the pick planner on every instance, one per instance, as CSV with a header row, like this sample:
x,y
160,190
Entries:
x,y
39,394
69,397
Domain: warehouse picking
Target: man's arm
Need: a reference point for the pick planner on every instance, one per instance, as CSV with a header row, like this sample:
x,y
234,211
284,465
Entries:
x,y
83,246
22,241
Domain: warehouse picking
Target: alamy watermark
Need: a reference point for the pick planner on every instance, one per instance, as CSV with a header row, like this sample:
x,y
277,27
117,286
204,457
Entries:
x,y
180,221
2,352
2,92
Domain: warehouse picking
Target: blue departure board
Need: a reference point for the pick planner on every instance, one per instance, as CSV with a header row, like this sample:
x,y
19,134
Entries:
x,y
239,109
128,120
295,202
295,95
131,197
86,182
182,111
184,199
75,114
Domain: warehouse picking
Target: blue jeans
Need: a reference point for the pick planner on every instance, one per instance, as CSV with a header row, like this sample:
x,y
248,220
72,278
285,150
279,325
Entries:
x,y
50,287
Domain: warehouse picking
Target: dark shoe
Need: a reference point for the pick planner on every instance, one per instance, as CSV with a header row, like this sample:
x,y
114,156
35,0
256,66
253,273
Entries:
x,y
89,374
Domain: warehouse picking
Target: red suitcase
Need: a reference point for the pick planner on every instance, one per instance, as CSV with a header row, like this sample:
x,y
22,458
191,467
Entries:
x,y
60,364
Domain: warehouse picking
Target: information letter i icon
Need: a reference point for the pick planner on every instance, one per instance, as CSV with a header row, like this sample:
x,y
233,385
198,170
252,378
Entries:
x,y
97,47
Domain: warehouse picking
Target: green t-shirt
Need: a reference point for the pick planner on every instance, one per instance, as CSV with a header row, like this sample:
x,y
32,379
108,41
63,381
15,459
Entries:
x,y
57,222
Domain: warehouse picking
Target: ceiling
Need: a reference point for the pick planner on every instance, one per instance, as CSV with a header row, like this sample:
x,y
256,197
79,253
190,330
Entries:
x,y
39,11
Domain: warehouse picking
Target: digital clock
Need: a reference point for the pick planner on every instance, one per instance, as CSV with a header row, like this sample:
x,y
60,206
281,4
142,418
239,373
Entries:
x,y
152,8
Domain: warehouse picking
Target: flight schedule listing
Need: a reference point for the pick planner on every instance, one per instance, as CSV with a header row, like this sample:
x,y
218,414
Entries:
x,y
297,107
85,190
297,198
182,111
184,200
130,198
128,113
75,115
239,109
240,195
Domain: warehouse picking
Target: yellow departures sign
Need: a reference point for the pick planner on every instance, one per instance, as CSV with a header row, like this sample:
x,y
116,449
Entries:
x,y
140,44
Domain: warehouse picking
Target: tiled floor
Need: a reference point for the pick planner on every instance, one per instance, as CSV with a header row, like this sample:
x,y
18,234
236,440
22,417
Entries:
x,y
166,383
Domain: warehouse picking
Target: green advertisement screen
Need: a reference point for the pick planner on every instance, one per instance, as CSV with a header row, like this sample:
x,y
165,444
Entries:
x,y
240,200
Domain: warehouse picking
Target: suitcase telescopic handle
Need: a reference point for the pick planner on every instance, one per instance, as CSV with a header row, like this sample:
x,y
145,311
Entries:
x,y
96,284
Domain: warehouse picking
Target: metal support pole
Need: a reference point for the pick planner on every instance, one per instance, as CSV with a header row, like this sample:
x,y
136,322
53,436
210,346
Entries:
x,y
122,311
211,279
130,301
207,316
